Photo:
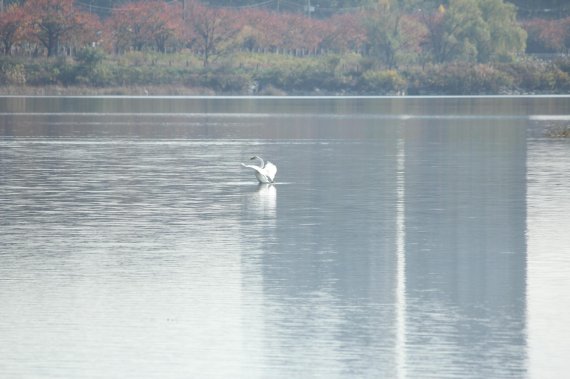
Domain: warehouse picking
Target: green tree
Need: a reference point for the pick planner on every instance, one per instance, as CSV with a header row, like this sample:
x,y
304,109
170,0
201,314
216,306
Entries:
x,y
506,36
463,29
393,36
474,30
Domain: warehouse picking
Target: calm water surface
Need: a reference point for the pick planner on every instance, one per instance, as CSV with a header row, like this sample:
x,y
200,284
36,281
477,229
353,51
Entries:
x,y
404,238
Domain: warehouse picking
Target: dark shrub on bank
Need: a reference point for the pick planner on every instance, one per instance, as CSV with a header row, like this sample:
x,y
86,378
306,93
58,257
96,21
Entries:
x,y
303,77
457,79
381,82
538,76
12,72
221,80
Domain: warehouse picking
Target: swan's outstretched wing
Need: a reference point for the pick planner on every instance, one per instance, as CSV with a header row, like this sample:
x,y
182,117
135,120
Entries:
x,y
259,173
256,168
270,170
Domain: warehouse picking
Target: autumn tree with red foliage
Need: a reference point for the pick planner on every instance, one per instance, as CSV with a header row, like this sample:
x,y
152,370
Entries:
x,y
51,22
257,29
297,32
12,27
212,31
548,35
143,24
90,32
269,31
166,23
344,32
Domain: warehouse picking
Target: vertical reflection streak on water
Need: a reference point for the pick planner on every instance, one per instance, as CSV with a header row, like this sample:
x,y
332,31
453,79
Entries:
x,y
548,287
465,252
401,260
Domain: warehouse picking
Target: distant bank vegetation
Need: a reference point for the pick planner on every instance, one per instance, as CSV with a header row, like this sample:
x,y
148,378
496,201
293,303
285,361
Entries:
x,y
388,47
92,72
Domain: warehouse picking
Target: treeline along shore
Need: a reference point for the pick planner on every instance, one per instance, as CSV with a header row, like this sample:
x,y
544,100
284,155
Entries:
x,y
384,47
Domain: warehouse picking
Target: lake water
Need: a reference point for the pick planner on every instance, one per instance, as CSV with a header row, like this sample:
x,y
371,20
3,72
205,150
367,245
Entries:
x,y
404,238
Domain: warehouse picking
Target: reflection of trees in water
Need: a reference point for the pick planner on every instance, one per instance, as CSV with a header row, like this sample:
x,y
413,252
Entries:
x,y
465,242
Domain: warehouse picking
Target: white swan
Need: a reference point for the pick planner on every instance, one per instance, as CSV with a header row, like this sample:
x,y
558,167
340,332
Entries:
x,y
265,172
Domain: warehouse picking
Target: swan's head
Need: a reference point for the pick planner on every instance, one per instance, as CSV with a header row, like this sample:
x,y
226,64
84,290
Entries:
x,y
255,157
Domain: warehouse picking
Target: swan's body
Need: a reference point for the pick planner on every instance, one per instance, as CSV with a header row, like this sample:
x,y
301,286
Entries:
x,y
265,172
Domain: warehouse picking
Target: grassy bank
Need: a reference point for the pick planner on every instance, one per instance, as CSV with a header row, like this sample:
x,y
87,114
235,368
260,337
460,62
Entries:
x,y
94,73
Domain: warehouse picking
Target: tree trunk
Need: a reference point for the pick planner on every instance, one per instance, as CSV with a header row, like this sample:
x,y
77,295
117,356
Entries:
x,y
52,45
7,48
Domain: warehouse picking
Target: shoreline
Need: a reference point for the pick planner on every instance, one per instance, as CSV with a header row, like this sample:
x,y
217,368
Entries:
x,y
169,91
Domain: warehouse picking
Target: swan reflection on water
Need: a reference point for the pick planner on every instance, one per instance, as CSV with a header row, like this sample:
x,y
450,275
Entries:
x,y
263,199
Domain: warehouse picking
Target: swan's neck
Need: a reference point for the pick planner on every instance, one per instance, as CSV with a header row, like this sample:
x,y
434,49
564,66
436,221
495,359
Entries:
x,y
262,164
